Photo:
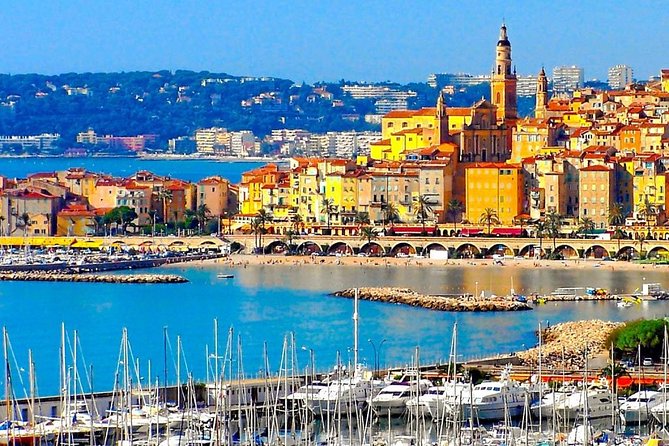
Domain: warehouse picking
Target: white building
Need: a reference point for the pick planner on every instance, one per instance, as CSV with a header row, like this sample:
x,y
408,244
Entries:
x,y
567,79
620,76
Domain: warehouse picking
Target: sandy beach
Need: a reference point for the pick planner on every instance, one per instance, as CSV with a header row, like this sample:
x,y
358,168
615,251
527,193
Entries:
x,y
412,262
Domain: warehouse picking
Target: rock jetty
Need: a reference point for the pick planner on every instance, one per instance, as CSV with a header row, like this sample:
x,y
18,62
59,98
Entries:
x,y
564,345
406,296
47,276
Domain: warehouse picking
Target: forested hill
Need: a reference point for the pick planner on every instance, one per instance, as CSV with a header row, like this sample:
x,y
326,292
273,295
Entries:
x,y
172,104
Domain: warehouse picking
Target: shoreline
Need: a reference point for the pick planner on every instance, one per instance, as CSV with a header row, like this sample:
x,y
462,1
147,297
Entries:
x,y
412,262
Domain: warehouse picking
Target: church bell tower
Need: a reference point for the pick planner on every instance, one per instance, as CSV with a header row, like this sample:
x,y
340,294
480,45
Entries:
x,y
503,82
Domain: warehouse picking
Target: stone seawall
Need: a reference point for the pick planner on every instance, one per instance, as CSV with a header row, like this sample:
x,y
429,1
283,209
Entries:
x,y
406,296
44,276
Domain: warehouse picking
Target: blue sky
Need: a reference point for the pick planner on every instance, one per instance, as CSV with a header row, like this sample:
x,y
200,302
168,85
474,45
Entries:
x,y
329,40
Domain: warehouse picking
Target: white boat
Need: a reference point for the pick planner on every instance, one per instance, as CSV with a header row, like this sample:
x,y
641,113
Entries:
x,y
345,395
600,402
639,405
436,401
493,400
392,399
547,404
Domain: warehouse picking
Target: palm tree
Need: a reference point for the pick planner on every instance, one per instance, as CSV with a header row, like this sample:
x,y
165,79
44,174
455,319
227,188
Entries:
x,y
329,208
202,214
297,220
616,214
256,228
489,217
263,217
423,210
361,218
540,228
553,226
454,208
390,213
368,233
647,209
24,222
166,195
618,234
289,237
585,226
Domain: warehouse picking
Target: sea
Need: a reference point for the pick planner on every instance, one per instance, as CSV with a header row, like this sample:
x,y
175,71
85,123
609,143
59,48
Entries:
x,y
263,306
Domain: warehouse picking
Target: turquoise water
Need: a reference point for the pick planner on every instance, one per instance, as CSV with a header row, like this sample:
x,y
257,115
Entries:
x,y
191,170
263,303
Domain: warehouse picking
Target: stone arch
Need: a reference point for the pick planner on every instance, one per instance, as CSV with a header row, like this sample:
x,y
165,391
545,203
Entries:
x,y
531,251
657,252
276,247
467,250
567,251
627,252
403,249
372,249
341,248
596,252
308,247
433,246
500,249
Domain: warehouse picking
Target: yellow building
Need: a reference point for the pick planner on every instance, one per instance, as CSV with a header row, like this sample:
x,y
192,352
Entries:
x,y
498,186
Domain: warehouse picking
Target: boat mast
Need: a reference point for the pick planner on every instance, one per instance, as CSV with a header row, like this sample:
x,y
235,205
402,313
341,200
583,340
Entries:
x,y
355,331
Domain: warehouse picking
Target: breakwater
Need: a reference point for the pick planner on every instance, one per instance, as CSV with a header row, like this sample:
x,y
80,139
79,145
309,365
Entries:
x,y
566,345
48,276
406,296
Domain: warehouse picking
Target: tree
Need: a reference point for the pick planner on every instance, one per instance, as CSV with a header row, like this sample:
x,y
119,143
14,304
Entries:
x,y
540,230
616,214
24,222
368,233
489,217
263,217
423,210
553,226
454,208
122,215
289,237
648,210
329,208
648,334
256,228
390,214
361,218
166,195
202,214
585,226
618,234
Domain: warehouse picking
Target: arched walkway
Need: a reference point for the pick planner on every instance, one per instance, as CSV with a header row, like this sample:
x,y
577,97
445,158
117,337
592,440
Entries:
x,y
433,247
531,251
658,252
340,248
500,249
403,250
372,249
627,252
308,248
566,251
467,251
596,252
276,247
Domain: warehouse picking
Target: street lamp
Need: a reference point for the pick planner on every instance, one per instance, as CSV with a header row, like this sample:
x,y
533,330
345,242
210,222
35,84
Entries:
x,y
376,354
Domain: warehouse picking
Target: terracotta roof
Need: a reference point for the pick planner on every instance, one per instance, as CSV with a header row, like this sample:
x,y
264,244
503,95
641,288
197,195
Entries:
x,y
596,168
